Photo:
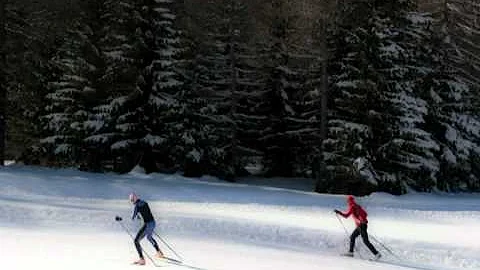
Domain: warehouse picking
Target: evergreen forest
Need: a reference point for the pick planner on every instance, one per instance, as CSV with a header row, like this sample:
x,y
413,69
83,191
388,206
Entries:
x,y
360,95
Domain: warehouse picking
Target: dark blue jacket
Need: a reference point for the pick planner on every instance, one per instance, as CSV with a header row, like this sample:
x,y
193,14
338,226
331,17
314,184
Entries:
x,y
144,210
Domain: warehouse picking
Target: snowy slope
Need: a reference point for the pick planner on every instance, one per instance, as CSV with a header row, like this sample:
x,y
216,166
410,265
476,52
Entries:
x,y
59,218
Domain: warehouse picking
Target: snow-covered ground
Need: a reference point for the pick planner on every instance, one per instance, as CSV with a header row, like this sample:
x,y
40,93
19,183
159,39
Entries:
x,y
64,219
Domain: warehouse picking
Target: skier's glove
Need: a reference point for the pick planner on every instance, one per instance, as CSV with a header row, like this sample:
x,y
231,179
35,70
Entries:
x,y
336,211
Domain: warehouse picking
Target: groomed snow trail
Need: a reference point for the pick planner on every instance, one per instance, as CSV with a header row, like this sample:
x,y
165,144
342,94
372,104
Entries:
x,y
59,218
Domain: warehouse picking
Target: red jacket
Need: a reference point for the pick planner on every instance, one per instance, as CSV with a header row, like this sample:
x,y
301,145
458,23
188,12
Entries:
x,y
358,213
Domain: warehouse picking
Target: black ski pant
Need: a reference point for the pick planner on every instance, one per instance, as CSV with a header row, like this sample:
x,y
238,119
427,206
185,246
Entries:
x,y
361,230
146,230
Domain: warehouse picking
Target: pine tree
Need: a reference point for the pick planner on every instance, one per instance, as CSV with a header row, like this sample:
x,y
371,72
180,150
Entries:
x,y
33,30
451,105
356,105
211,94
187,150
461,29
192,135
119,115
281,92
410,156
73,93
18,43
221,88
447,119
162,87
3,79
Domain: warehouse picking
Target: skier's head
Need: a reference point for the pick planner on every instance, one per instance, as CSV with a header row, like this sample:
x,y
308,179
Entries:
x,y
350,199
132,197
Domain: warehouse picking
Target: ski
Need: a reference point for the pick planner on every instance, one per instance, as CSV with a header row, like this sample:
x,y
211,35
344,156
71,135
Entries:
x,y
167,259
153,263
179,263
348,255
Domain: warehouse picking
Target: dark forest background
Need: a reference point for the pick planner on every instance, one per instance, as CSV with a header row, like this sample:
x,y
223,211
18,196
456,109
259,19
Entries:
x,y
370,95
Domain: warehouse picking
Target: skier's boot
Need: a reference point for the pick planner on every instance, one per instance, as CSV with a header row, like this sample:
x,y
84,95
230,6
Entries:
x,y
377,256
139,262
348,254
159,255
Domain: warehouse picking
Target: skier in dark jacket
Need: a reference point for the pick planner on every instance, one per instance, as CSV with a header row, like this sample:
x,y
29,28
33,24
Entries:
x,y
360,217
146,230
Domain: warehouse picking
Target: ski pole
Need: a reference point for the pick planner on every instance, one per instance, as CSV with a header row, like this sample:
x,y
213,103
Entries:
x,y
168,246
341,222
385,247
346,233
119,219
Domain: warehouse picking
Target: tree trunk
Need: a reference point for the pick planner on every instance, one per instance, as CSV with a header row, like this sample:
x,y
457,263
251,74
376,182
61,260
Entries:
x,y
323,126
324,107
3,80
233,92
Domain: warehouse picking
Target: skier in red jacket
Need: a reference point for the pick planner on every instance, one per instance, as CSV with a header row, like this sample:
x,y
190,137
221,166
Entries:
x,y
360,217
